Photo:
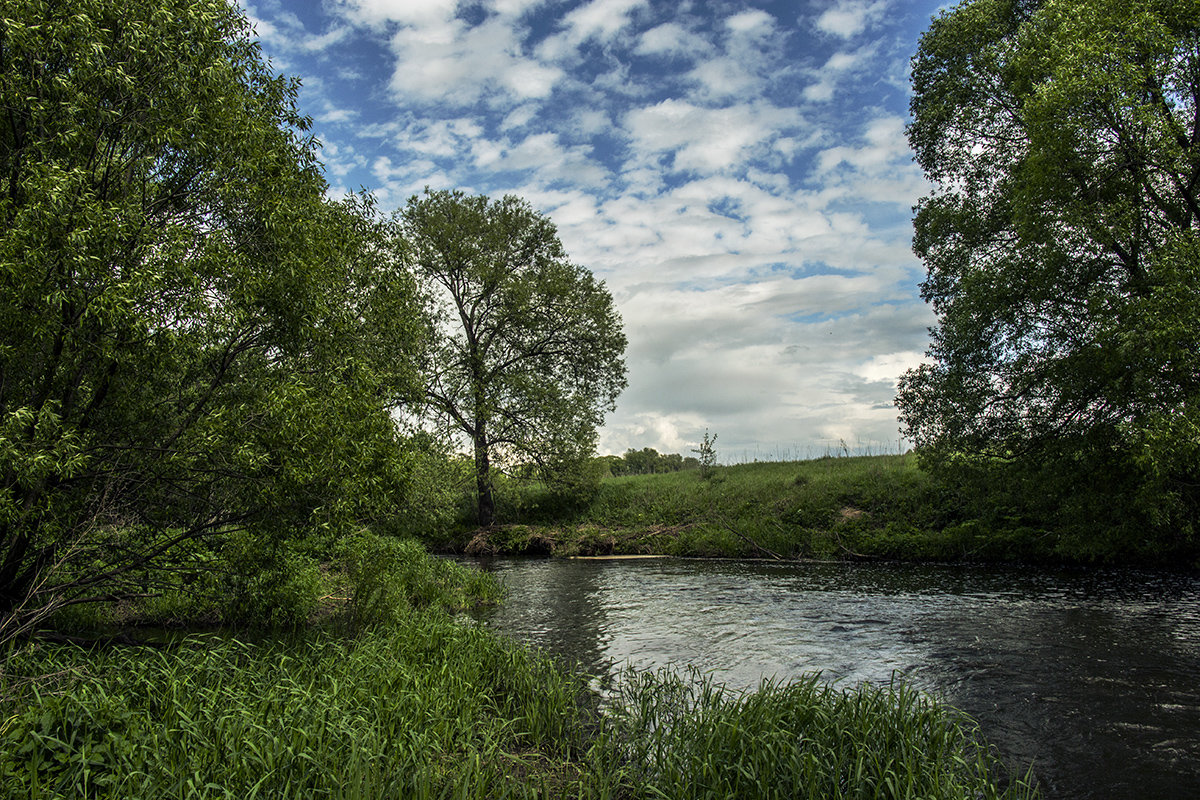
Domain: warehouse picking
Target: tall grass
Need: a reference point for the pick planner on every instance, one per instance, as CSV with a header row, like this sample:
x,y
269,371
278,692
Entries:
x,y
688,738
434,708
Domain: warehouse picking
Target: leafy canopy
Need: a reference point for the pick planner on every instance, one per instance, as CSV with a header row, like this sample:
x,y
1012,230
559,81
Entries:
x,y
528,348
1063,139
193,341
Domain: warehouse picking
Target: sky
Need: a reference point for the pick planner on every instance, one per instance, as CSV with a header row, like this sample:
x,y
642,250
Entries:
x,y
735,172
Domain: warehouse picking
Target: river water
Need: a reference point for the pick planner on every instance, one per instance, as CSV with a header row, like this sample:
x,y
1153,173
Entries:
x,y
1093,677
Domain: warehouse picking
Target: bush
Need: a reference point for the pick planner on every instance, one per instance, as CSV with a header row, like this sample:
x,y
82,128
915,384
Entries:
x,y
387,578
264,584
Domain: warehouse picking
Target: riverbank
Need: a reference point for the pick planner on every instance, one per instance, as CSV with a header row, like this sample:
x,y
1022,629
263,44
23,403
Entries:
x,y
435,708
399,698
852,508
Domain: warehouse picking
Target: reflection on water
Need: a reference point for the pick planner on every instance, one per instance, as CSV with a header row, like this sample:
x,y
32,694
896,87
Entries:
x,y
1090,676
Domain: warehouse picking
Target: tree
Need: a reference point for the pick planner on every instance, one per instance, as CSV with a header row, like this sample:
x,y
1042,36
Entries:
x,y
641,462
707,455
1063,140
193,341
528,348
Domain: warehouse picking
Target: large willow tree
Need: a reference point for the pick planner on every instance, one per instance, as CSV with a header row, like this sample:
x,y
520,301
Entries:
x,y
192,340
1062,242
528,349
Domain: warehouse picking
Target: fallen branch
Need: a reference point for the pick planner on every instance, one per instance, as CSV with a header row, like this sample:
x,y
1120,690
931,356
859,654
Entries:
x,y
753,543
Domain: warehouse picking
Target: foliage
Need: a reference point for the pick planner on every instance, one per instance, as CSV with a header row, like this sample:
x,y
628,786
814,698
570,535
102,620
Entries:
x,y
707,454
528,348
388,578
648,461
437,709
802,740
192,339
1063,138
262,583
436,485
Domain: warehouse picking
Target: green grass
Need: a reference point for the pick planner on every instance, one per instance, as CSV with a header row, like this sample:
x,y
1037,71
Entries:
x,y
804,739
433,708
827,508
361,581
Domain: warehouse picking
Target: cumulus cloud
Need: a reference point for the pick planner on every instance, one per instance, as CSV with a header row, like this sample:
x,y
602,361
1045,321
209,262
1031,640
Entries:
x,y
452,62
840,67
755,21
671,39
848,18
599,19
740,181
705,139
377,13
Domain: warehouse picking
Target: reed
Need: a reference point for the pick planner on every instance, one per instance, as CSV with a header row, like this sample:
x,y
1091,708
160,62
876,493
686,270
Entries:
x,y
690,738
433,708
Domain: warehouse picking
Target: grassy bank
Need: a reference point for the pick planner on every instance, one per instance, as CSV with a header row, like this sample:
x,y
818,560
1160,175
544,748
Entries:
x,y
432,708
384,692
856,507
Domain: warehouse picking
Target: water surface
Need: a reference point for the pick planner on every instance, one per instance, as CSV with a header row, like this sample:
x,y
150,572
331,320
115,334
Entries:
x,y
1091,677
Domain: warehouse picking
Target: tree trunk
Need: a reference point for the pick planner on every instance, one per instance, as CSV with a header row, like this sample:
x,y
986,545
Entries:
x,y
486,513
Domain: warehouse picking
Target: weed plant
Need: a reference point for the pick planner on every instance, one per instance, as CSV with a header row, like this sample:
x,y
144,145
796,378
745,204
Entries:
x,y
434,708
688,738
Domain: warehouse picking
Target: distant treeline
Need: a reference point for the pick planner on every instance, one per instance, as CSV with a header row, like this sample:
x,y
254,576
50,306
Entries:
x,y
647,461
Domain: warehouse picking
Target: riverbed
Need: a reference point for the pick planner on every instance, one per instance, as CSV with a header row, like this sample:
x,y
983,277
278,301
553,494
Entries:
x,y
1092,677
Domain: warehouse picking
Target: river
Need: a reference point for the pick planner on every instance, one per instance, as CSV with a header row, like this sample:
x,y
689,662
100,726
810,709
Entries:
x,y
1093,677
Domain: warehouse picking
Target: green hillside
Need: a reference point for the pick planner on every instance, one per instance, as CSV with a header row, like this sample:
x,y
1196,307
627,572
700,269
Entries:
x,y
854,507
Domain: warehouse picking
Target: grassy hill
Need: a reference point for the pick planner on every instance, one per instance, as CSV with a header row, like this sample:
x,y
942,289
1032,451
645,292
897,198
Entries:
x,y
853,507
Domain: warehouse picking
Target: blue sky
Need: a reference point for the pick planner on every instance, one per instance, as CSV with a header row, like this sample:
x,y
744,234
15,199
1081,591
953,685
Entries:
x,y
736,172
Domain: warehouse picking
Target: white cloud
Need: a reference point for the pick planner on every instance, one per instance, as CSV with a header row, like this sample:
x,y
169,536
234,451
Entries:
x,y
442,138
591,121
837,68
454,62
545,156
884,144
325,41
515,8
599,19
705,139
848,18
439,57
725,78
890,366
754,21
671,39
756,243
376,13
284,32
